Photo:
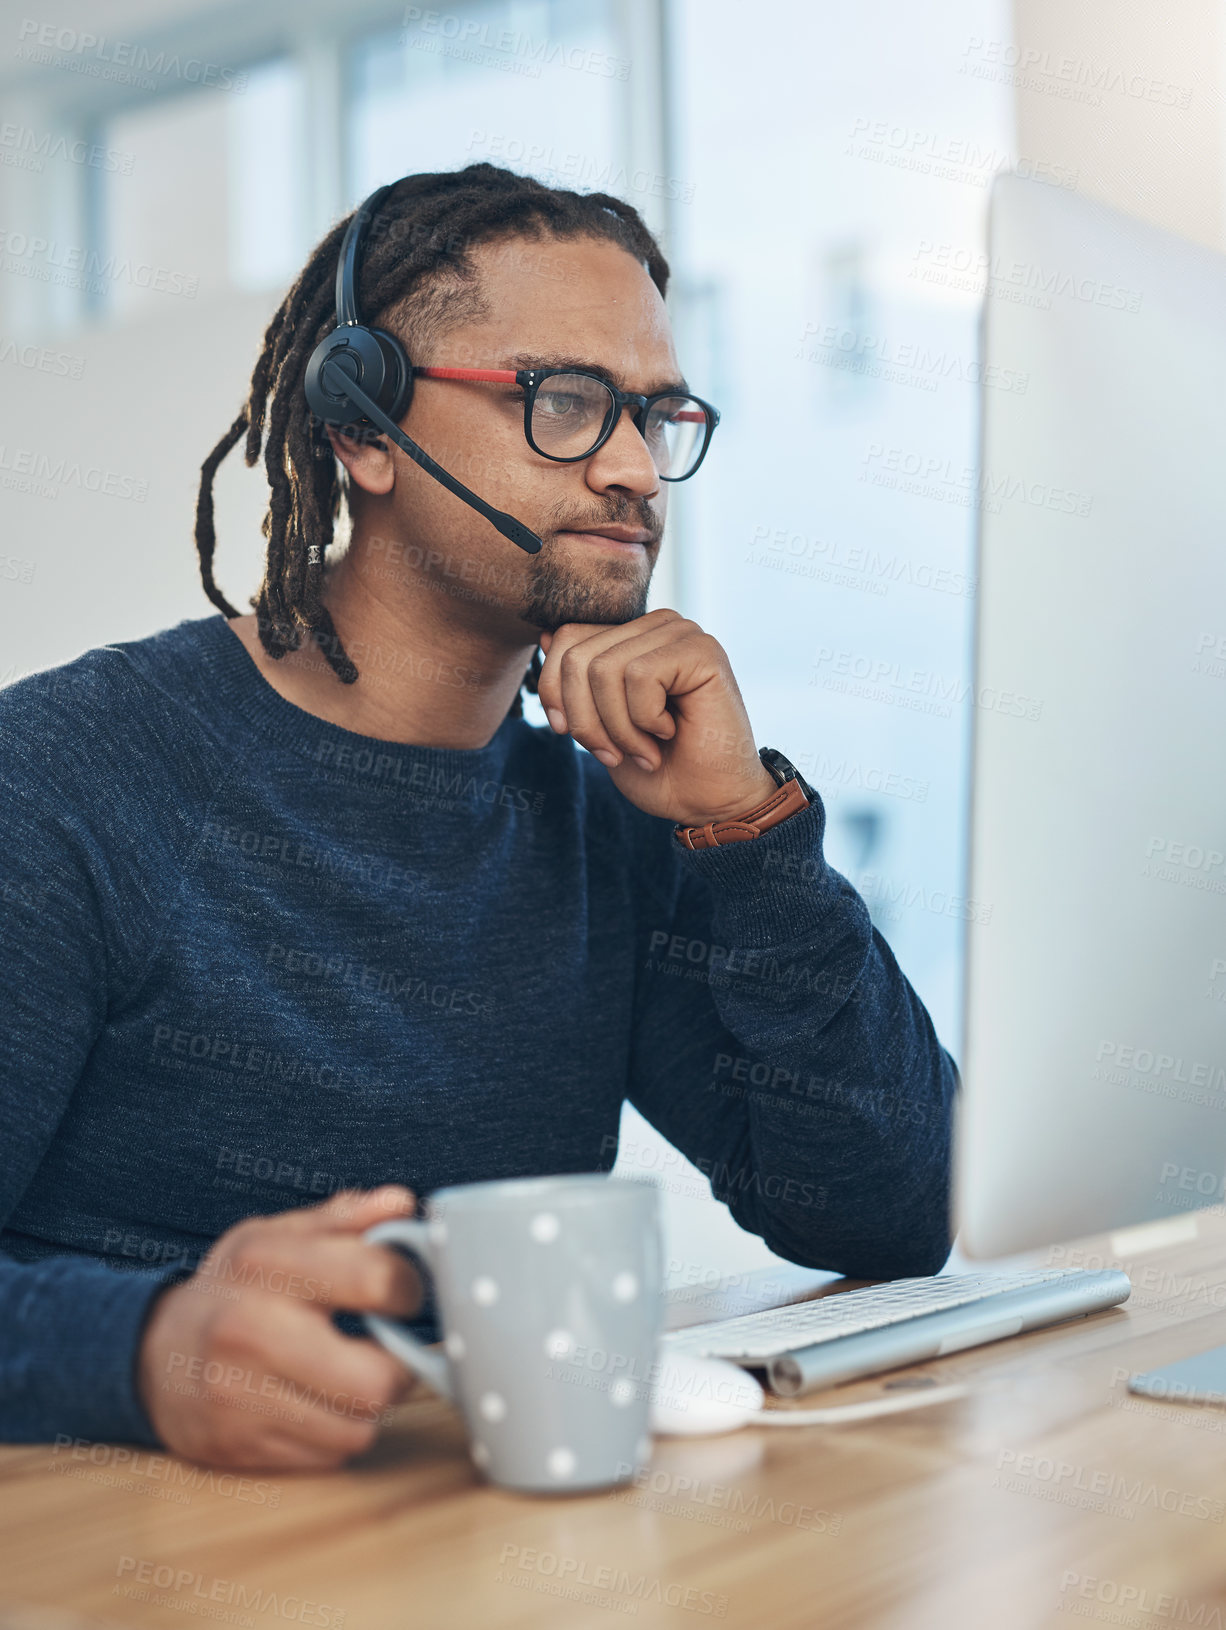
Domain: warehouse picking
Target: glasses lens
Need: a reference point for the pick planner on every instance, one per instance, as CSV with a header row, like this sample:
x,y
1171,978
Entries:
x,y
569,414
676,435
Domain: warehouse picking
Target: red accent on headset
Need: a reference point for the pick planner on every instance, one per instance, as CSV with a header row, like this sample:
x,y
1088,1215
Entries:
x,y
497,376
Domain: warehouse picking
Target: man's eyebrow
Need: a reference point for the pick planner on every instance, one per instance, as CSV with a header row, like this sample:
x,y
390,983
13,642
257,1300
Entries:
x,y
537,359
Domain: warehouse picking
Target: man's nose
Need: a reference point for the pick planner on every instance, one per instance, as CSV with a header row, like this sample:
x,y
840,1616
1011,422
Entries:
x,y
625,459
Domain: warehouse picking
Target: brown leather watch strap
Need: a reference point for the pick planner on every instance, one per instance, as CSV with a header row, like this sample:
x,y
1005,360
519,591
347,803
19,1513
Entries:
x,y
784,801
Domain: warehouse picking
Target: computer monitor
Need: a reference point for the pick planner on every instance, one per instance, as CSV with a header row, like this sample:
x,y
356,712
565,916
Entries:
x,y
1094,1044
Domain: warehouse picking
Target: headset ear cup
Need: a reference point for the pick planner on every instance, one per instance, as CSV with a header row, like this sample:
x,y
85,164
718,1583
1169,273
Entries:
x,y
321,401
354,353
398,375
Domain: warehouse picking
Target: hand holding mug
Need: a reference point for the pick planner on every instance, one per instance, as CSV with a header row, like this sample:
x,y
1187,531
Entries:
x,y
241,1365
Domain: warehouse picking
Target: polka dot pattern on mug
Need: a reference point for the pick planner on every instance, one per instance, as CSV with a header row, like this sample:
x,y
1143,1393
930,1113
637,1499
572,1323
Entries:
x,y
621,1392
544,1228
561,1463
493,1406
625,1287
485,1291
559,1344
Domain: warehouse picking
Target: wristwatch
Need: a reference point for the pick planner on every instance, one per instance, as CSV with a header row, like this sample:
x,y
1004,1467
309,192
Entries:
x,y
792,792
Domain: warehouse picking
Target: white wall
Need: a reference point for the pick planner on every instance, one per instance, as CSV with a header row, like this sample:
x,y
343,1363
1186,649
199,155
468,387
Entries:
x,y
1129,94
153,396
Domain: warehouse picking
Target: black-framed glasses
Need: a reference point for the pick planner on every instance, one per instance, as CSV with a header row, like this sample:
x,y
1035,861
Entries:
x,y
569,415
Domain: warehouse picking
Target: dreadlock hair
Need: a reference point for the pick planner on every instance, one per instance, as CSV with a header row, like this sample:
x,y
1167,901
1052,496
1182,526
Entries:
x,y
416,279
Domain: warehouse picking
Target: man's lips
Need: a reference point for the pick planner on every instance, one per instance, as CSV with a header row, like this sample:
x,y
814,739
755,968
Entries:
x,y
636,535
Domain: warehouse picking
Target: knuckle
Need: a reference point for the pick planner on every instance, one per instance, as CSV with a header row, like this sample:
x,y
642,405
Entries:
x,y
342,1202
245,1242
242,1247
245,1258
236,1233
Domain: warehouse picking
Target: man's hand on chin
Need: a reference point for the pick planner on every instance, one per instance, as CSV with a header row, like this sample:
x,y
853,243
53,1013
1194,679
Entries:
x,y
655,700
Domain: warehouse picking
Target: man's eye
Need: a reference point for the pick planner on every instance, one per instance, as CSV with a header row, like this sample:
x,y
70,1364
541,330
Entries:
x,y
559,404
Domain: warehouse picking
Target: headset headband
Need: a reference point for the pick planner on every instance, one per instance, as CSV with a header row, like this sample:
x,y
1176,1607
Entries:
x,y
347,265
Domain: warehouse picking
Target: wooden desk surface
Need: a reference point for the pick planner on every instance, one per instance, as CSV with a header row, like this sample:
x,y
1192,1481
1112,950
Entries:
x,y
1048,1493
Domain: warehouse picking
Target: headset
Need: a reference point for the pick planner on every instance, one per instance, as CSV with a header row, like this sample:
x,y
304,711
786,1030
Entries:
x,y
360,375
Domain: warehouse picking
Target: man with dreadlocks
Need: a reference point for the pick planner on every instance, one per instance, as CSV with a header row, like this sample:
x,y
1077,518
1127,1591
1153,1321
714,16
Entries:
x,y
309,920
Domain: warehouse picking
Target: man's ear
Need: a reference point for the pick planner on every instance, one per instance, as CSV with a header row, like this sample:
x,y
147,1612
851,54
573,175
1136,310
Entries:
x,y
366,457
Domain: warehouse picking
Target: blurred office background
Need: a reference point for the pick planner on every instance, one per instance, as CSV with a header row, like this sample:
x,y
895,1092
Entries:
x,y
818,175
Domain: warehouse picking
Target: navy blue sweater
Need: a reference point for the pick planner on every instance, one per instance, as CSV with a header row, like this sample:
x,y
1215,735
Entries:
x,y
248,958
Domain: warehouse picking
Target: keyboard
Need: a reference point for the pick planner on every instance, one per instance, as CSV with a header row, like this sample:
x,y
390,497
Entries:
x,y
838,1337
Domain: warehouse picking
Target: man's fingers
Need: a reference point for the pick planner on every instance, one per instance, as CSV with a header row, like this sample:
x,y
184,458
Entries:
x,y
604,712
292,1373
311,1362
579,706
635,675
364,1277
282,1451
348,1211
358,1209
594,637
313,1438
333,1270
647,701
588,685
608,676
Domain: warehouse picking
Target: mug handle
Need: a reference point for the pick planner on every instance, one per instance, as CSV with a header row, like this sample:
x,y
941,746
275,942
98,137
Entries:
x,y
413,1354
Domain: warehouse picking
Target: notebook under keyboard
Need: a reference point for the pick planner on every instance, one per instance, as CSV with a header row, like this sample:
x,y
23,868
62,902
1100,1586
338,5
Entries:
x,y
859,1332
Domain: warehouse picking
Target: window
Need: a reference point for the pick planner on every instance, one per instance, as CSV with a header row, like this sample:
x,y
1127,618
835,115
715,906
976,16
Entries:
x,y
268,233
831,526
175,223
533,87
